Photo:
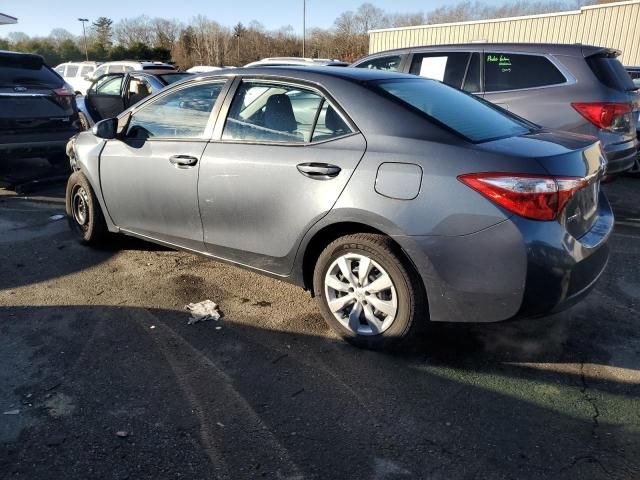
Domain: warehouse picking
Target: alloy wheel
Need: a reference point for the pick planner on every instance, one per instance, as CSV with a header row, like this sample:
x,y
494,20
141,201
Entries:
x,y
360,294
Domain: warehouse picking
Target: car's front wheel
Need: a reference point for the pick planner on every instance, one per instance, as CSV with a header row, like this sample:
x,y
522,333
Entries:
x,y
367,292
83,210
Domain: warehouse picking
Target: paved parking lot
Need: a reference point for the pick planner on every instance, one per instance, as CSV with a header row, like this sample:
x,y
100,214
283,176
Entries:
x,y
102,378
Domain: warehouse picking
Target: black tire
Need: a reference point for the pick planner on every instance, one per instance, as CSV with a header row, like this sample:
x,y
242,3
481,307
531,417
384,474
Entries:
x,y
412,311
90,228
83,121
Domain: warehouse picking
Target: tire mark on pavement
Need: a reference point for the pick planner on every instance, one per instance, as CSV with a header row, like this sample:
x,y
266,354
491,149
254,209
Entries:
x,y
235,438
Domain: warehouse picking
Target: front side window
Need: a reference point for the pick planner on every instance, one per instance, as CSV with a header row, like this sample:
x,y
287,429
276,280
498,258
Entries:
x,y
391,63
108,85
183,113
449,68
60,70
506,71
86,70
443,105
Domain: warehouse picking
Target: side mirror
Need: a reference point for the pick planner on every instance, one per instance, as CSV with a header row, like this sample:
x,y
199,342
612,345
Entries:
x,y
88,78
107,129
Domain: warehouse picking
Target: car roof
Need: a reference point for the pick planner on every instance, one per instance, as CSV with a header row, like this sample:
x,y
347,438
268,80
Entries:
x,y
12,54
310,72
297,61
553,48
160,71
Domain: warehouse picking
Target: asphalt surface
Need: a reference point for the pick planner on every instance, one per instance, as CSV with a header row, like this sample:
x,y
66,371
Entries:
x,y
102,378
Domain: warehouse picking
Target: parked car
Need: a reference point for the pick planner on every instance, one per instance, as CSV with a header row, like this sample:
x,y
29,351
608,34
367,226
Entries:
x,y
114,92
38,113
300,61
124,66
77,74
578,88
443,200
634,73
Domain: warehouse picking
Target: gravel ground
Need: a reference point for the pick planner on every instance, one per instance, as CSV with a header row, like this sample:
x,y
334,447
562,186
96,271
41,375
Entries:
x,y
102,377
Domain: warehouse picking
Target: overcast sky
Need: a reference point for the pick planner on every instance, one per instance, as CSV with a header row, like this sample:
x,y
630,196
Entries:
x,y
39,17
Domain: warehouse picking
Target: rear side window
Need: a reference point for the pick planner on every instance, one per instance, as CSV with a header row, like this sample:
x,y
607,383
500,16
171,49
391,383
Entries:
x,y
28,72
72,71
507,71
610,71
391,63
443,105
449,68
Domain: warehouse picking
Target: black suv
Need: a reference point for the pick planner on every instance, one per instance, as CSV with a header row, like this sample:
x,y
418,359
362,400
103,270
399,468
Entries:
x,y
38,112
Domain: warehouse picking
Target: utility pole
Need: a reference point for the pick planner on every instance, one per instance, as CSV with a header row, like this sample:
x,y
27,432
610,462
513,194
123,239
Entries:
x,y
304,25
84,34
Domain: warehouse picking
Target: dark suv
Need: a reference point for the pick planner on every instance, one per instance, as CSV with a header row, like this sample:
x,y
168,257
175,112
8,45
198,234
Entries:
x,y
38,112
578,88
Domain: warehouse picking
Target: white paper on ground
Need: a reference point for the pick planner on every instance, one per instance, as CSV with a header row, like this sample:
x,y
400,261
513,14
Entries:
x,y
201,311
433,67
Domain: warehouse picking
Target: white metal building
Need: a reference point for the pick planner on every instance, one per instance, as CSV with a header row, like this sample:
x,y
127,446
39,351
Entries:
x,y
615,25
7,19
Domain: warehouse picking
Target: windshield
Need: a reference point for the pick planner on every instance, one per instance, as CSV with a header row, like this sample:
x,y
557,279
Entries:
x,y
173,77
474,119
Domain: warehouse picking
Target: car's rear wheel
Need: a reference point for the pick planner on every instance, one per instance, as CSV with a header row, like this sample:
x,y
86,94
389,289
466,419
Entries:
x,y
367,292
83,211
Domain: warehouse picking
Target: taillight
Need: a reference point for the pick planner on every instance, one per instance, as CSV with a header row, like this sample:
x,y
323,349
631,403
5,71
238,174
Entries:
x,y
64,92
538,197
615,117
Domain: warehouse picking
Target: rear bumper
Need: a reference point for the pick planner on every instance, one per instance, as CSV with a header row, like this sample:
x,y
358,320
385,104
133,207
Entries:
x,y
621,156
517,268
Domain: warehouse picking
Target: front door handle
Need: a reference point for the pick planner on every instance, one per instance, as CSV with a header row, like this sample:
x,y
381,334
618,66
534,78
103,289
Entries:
x,y
318,171
183,160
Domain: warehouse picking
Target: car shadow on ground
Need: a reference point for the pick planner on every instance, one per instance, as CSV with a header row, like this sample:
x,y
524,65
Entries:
x,y
243,401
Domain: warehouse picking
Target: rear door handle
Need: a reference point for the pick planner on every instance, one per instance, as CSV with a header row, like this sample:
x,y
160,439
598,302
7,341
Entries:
x,y
318,171
183,160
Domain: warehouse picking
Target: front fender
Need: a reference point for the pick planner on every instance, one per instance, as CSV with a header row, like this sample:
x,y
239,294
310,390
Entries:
x,y
86,148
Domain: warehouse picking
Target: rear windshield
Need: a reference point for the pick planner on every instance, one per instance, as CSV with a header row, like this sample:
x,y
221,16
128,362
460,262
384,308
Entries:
x,y
27,72
610,71
158,67
463,113
173,77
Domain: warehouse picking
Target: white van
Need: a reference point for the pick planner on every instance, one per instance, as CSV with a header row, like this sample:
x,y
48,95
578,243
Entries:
x,y
123,66
77,74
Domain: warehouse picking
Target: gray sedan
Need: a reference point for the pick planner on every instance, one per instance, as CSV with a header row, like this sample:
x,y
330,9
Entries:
x,y
394,199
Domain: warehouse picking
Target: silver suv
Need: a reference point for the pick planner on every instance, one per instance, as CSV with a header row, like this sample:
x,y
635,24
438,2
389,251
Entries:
x,y
578,88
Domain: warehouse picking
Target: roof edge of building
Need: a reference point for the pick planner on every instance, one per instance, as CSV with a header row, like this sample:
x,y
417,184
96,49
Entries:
x,y
507,19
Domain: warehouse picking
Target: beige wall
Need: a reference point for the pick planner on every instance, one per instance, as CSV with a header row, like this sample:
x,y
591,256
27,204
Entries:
x,y
615,25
